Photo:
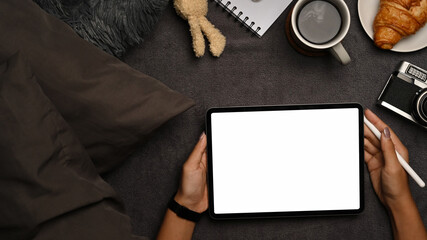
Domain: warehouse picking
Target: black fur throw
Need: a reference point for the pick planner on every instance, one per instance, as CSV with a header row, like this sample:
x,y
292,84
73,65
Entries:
x,y
112,25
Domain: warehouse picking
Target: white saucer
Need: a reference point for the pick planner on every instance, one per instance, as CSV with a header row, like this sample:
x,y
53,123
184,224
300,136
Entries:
x,y
368,10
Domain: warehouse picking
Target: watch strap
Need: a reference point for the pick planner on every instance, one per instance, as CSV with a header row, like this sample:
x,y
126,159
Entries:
x,y
183,212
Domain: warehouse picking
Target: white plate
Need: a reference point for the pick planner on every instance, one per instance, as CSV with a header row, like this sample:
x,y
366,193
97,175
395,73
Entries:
x,y
368,10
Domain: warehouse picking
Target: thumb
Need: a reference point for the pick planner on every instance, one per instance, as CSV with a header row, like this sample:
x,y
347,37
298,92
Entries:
x,y
199,150
389,152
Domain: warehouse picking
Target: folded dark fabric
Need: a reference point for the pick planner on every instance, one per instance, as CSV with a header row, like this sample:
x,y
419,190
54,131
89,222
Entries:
x,y
49,187
110,106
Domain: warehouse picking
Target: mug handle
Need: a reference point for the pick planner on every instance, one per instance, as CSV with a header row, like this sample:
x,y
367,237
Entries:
x,y
339,52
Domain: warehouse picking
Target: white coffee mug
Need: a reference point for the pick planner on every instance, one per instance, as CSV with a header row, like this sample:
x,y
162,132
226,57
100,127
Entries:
x,y
334,46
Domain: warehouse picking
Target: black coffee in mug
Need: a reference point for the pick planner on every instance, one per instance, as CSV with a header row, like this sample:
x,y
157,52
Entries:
x,y
319,21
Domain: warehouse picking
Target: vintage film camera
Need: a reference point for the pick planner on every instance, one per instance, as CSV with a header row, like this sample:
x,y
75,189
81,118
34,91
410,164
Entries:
x,y
405,93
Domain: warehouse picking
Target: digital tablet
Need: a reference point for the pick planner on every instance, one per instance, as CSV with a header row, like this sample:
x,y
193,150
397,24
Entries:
x,y
273,161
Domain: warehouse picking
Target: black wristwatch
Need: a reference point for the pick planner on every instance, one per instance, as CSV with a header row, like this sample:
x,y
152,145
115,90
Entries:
x,y
183,212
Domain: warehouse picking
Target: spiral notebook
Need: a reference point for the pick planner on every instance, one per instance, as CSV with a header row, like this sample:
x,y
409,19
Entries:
x,y
257,15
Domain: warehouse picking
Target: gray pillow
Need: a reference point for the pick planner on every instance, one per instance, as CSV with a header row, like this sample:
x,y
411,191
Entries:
x,y
112,25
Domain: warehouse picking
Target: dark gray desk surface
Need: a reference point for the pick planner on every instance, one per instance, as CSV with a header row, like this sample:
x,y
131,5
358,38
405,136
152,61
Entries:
x,y
255,71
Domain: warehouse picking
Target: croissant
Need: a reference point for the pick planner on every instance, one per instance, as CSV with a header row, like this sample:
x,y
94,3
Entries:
x,y
397,19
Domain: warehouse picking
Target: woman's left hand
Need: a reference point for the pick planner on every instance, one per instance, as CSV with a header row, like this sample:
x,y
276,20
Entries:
x,y
193,191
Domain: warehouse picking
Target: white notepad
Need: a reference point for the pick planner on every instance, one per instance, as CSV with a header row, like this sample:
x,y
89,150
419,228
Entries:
x,y
257,15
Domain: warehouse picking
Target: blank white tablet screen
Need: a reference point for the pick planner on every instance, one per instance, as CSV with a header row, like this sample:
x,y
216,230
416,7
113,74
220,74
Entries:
x,y
281,161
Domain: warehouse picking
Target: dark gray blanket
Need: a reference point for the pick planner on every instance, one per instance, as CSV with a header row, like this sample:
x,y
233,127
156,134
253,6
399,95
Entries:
x,y
112,25
255,71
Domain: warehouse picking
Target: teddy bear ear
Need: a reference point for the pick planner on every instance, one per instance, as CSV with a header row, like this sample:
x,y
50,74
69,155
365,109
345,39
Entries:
x,y
199,48
216,39
198,39
198,23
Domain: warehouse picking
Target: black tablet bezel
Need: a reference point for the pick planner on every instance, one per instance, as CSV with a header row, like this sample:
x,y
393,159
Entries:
x,y
278,108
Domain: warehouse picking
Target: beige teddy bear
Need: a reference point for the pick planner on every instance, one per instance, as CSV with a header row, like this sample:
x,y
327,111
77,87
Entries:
x,y
195,12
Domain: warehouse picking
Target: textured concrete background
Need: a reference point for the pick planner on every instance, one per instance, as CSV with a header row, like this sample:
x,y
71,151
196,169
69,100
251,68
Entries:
x,y
255,71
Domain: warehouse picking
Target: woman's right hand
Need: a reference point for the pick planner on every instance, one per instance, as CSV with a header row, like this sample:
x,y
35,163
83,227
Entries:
x,y
389,179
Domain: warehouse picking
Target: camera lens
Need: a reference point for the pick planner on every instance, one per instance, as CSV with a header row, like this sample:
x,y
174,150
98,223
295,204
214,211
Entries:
x,y
420,107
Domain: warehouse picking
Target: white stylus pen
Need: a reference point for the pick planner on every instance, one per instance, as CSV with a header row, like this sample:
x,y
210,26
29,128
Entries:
x,y
402,161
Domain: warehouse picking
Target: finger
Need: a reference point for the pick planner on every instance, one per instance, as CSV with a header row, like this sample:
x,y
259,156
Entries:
x,y
373,162
380,125
199,149
371,148
371,137
204,160
389,152
374,119
367,156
